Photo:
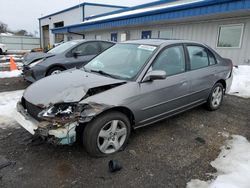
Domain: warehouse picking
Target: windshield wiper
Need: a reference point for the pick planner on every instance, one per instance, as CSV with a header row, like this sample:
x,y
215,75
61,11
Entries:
x,y
104,73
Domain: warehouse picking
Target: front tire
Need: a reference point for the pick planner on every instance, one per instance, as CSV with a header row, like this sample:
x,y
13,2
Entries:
x,y
107,134
55,70
216,97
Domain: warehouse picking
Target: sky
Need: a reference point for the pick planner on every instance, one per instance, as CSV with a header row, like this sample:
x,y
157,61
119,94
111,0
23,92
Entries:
x,y
24,14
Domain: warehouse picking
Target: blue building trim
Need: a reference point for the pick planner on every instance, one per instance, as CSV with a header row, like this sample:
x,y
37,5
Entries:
x,y
81,5
155,3
202,8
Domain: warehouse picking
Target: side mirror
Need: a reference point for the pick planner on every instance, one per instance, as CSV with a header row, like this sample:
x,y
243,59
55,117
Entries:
x,y
76,54
155,75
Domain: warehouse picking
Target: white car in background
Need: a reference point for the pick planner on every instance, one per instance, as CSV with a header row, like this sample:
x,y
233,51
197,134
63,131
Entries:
x,y
3,49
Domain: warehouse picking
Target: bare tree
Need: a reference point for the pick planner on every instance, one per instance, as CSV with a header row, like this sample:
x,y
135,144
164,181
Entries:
x,y
3,27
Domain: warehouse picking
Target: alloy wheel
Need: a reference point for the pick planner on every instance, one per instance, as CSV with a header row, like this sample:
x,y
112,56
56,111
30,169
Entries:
x,y
112,136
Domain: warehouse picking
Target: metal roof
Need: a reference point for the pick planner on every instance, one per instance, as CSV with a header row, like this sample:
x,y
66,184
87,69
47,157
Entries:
x,y
190,10
81,5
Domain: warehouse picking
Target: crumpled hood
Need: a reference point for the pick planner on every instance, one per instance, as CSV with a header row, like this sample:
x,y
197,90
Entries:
x,y
68,86
33,56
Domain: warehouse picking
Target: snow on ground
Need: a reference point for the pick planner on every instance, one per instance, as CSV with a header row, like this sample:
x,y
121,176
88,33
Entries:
x,y
8,101
9,74
232,164
241,82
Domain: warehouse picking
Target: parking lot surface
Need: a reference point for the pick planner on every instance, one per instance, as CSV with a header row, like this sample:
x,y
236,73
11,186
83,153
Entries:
x,y
166,154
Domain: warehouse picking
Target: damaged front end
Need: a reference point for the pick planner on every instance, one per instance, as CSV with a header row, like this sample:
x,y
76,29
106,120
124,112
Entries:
x,y
57,123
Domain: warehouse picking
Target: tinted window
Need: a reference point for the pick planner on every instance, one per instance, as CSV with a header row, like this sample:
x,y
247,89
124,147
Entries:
x,y
105,45
211,58
89,48
198,57
171,60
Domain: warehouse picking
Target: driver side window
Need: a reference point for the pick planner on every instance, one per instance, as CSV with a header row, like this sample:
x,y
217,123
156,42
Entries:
x,y
89,48
171,60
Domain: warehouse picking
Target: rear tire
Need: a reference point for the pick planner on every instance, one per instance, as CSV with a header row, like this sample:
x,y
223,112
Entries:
x,y
216,97
55,70
106,134
1,51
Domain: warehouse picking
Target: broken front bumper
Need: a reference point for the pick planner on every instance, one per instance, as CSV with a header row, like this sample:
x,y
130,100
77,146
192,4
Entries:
x,y
64,134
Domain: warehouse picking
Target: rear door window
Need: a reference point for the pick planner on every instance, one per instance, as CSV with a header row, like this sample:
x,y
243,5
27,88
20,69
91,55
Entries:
x,y
198,57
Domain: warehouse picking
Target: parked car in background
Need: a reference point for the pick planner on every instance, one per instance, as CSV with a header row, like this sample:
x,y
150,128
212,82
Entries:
x,y
3,49
65,56
128,86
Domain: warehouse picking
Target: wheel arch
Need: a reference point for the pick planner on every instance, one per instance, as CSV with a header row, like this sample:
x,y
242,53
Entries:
x,y
103,109
54,66
126,111
223,82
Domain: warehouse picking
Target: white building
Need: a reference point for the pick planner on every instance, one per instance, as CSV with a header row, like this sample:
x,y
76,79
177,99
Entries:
x,y
73,15
222,24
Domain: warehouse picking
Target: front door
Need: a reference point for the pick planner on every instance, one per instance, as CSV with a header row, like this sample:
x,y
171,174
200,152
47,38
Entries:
x,y
161,98
86,52
114,37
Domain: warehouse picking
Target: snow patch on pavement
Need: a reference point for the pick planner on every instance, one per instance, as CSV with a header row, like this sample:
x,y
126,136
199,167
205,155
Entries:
x,y
8,101
10,74
241,81
232,164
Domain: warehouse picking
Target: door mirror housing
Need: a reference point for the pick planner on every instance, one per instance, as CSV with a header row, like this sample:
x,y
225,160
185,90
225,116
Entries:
x,y
76,54
155,75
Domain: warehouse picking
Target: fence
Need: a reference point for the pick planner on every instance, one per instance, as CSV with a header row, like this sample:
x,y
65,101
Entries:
x,y
20,42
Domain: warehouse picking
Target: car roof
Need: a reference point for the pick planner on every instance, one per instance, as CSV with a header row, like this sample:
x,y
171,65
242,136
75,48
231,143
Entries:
x,y
88,40
158,42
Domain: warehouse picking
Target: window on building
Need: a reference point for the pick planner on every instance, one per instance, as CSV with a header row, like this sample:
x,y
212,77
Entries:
x,y
146,34
98,37
198,57
58,24
230,36
165,34
114,37
171,60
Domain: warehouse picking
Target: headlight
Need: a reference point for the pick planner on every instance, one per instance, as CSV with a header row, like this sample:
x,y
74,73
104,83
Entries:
x,y
36,62
58,110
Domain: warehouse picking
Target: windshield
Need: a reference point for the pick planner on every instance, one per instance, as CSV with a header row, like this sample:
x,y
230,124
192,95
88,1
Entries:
x,y
122,60
62,47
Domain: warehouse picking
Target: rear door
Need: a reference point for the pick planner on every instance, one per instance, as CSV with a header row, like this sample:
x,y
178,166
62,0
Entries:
x,y
86,51
202,71
161,98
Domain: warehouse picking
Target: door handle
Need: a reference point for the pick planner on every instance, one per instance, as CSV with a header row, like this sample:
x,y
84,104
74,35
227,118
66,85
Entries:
x,y
183,82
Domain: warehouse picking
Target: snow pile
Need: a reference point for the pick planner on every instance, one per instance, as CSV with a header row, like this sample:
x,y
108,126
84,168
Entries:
x,y
8,101
10,74
232,164
241,82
